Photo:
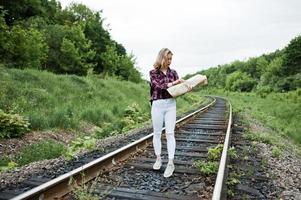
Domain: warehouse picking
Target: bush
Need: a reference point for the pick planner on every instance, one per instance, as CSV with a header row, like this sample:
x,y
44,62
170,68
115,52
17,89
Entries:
x,y
207,168
215,153
80,143
294,96
133,115
191,98
263,91
10,165
289,83
211,166
12,125
239,81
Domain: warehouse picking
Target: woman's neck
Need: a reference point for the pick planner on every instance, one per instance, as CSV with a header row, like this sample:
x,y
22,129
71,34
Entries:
x,y
164,69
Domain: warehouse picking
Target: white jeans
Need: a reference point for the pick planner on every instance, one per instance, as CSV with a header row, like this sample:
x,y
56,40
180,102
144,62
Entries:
x,y
164,110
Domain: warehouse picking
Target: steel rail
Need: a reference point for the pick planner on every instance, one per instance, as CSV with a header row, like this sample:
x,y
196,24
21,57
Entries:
x,y
57,187
217,192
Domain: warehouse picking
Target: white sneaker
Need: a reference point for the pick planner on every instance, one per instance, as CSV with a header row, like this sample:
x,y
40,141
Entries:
x,y
169,170
157,164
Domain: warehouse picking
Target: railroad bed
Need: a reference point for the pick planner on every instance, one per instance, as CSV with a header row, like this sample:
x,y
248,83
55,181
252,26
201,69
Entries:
x,y
127,172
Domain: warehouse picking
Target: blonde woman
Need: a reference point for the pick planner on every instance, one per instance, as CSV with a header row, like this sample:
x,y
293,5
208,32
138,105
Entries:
x,y
163,107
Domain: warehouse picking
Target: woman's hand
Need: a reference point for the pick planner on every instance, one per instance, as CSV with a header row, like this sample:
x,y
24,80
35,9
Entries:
x,y
189,88
181,81
178,81
170,84
175,82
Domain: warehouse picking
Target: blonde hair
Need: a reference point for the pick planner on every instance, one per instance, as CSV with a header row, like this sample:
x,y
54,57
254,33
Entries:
x,y
162,55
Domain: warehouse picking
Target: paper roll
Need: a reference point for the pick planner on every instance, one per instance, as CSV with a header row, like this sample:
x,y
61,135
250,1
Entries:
x,y
182,88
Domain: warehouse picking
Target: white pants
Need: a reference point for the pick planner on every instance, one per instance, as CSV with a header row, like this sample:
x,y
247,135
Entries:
x,y
164,110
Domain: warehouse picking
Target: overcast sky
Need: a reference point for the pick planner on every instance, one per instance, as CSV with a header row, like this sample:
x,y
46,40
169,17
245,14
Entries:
x,y
200,33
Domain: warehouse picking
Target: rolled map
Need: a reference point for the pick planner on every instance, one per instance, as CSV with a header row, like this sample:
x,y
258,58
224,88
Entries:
x,y
182,88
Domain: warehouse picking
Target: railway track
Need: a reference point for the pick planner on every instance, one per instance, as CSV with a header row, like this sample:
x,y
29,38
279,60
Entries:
x,y
127,173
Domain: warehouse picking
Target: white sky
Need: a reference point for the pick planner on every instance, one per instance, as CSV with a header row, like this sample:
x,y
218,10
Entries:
x,y
200,33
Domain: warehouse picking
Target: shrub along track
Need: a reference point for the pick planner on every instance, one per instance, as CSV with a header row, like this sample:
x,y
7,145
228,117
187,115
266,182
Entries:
x,y
127,173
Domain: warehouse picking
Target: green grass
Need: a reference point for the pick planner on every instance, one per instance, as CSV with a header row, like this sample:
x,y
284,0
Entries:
x,y
279,111
38,151
64,101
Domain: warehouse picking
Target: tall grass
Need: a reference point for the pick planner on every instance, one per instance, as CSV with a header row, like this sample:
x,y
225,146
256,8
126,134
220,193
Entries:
x,y
62,101
65,101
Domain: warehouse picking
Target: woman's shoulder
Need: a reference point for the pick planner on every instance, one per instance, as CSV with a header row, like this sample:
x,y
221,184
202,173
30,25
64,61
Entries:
x,y
153,71
173,71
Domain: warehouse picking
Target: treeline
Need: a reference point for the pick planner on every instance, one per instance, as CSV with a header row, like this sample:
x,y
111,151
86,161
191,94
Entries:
x,y
279,71
40,34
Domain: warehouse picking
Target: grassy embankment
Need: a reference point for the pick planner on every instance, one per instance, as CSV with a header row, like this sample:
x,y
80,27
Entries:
x,y
70,104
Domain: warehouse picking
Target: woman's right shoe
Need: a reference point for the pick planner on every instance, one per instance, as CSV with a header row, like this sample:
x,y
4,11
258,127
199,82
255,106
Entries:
x,y
157,164
169,170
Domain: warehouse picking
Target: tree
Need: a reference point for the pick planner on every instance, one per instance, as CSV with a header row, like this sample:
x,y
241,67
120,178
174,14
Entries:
x,y
69,50
250,67
271,74
23,9
120,65
39,34
126,69
292,57
94,31
3,34
25,48
261,65
230,68
110,60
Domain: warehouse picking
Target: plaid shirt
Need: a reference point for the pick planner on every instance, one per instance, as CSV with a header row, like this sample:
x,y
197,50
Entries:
x,y
159,81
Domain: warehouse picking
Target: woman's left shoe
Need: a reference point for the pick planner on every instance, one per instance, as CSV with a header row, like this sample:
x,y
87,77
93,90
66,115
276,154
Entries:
x,y
169,170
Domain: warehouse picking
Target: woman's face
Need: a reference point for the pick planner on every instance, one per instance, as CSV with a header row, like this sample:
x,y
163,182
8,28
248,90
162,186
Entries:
x,y
168,60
